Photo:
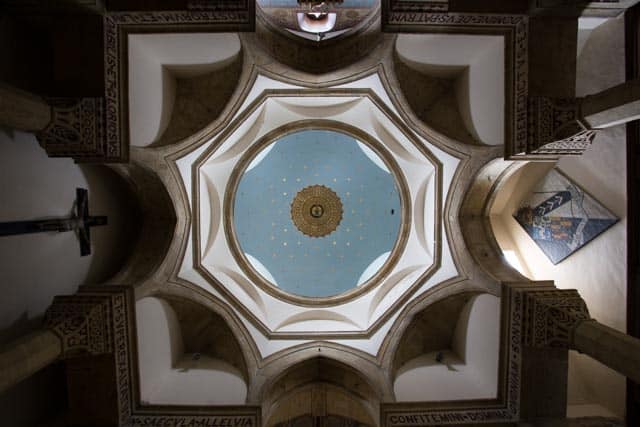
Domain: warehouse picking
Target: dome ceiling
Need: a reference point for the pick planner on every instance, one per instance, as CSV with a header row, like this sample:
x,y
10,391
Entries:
x,y
273,133
317,213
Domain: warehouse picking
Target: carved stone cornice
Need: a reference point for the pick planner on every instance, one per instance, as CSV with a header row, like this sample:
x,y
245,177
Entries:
x,y
556,127
551,316
83,323
429,6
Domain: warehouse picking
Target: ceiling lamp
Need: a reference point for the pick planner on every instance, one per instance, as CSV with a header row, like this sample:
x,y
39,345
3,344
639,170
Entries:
x,y
317,17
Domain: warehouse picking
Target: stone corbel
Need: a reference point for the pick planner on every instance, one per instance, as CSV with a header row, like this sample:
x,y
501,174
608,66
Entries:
x,y
551,317
83,323
77,130
559,318
557,127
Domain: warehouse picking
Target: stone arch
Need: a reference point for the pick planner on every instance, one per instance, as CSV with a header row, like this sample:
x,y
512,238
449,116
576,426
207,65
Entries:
x,y
317,58
514,242
188,353
474,217
320,387
276,364
157,224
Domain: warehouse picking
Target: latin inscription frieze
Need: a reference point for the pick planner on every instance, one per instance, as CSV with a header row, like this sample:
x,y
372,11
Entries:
x,y
196,421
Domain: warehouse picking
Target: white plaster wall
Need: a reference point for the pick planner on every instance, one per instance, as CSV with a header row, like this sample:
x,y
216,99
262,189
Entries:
x,y
36,267
168,376
159,343
600,273
205,381
469,370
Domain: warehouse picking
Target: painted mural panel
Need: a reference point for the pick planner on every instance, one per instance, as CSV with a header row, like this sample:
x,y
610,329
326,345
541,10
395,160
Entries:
x,y
561,217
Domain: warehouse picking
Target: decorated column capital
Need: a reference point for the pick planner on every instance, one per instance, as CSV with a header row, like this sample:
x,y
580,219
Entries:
x,y
551,316
77,130
83,323
557,127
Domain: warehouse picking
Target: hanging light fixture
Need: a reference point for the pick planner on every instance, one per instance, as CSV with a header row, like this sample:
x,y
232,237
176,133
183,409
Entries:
x,y
317,17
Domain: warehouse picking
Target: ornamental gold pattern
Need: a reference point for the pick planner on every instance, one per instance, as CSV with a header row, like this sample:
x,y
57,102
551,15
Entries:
x,y
316,211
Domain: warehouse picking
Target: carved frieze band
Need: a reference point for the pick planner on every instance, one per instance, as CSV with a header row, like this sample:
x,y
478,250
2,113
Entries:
x,y
415,6
222,420
83,323
77,130
551,316
556,127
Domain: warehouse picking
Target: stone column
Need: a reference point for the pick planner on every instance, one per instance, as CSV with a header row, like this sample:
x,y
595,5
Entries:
x,y
616,350
26,356
65,127
559,318
617,105
23,111
75,325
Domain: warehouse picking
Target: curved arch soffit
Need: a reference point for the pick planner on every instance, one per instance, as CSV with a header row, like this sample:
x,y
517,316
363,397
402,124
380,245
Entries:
x,y
477,230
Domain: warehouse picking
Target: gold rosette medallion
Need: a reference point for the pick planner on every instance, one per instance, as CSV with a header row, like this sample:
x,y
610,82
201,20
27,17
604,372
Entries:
x,y
316,211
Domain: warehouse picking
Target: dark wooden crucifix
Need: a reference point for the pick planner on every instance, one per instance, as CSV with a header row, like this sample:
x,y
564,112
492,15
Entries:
x,y
81,223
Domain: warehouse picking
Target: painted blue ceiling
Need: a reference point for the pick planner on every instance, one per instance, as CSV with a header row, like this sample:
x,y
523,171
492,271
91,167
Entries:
x,y
324,266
